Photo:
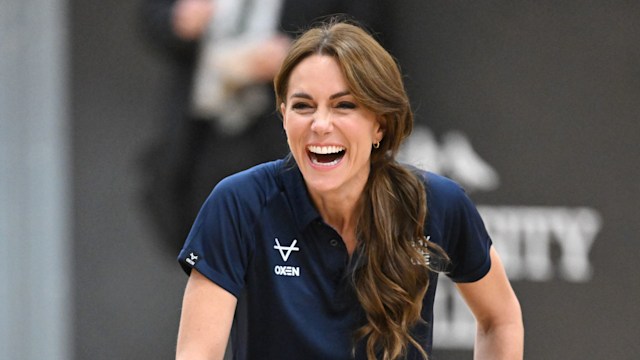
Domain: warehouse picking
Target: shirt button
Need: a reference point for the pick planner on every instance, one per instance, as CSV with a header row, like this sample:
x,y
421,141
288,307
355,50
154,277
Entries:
x,y
333,242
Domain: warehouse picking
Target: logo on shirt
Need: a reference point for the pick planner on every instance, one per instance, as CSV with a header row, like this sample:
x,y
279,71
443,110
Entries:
x,y
289,249
192,259
285,252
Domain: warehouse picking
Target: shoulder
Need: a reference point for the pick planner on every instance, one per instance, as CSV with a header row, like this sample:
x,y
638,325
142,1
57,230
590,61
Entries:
x,y
454,223
246,192
447,201
441,191
256,182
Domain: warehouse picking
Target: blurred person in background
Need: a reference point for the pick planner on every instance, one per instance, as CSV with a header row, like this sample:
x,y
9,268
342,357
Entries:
x,y
218,109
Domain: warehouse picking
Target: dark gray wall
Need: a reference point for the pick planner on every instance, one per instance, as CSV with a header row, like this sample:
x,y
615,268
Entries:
x,y
127,289
547,91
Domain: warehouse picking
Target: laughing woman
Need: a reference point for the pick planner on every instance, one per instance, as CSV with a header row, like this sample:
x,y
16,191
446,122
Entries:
x,y
334,251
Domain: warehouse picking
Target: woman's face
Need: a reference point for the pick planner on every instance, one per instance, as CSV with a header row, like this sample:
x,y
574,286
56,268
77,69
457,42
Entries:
x,y
330,135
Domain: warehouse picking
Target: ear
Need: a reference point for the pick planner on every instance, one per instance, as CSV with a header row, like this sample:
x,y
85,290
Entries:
x,y
379,129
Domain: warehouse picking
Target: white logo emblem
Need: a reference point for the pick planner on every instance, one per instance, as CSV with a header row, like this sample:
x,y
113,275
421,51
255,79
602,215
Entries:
x,y
192,259
289,249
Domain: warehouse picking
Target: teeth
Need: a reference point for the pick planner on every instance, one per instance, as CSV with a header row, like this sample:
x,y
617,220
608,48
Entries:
x,y
316,162
325,149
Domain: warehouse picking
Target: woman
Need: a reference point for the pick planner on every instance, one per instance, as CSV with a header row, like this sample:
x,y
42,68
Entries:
x,y
327,254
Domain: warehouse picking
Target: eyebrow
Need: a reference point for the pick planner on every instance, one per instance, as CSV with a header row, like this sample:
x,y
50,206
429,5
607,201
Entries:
x,y
332,97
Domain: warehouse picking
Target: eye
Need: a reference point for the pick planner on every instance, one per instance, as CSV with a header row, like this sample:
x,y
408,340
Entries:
x,y
346,105
300,106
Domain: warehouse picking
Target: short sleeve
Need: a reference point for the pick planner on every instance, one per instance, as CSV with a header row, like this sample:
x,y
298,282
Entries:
x,y
458,224
219,243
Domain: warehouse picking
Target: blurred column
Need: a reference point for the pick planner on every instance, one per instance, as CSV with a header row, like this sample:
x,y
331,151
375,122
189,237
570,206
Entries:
x,y
35,235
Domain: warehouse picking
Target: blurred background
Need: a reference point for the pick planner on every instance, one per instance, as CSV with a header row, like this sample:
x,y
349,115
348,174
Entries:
x,y
531,105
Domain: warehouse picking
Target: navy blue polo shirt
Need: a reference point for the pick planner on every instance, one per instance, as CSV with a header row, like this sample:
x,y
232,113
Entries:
x,y
259,237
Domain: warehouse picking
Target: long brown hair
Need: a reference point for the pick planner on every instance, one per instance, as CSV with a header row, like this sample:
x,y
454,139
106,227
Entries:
x,y
392,274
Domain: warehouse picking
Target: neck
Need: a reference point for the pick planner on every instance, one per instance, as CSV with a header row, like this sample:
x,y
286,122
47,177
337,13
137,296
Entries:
x,y
340,213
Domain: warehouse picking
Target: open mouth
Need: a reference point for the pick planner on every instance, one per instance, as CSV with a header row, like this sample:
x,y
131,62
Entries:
x,y
325,155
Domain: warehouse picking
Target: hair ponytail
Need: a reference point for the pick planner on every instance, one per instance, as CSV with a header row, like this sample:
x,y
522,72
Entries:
x,y
393,276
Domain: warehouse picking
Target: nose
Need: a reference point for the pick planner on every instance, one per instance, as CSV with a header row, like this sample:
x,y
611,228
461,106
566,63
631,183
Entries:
x,y
322,122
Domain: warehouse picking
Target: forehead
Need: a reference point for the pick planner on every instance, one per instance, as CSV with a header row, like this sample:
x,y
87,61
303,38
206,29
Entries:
x,y
317,73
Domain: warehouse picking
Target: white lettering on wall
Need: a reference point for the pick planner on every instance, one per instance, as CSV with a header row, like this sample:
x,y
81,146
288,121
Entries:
x,y
535,244
526,236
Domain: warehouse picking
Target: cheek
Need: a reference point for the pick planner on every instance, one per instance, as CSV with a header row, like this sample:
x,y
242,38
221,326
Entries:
x,y
373,131
292,127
